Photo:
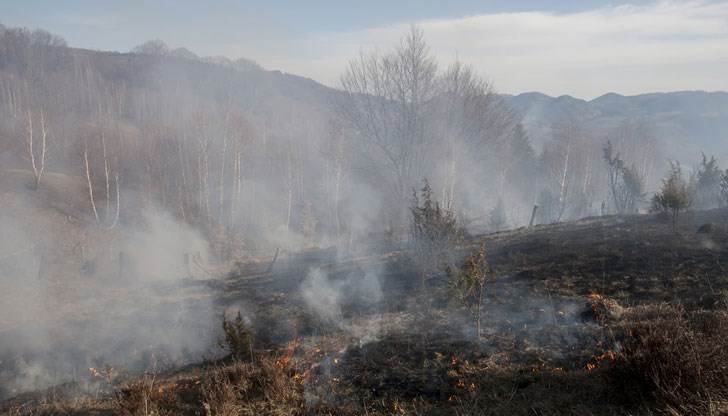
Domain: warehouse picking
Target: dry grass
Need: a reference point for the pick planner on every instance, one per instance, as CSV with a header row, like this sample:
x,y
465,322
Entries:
x,y
146,397
675,359
264,386
541,332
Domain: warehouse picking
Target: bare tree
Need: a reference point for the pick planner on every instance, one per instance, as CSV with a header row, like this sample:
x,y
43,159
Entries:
x,y
109,165
387,102
636,144
336,153
37,147
560,166
625,183
408,120
241,138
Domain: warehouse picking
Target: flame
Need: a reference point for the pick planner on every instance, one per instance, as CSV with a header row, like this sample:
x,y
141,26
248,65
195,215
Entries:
x,y
472,386
283,362
558,369
461,384
336,361
608,355
395,406
590,366
94,372
595,296
301,377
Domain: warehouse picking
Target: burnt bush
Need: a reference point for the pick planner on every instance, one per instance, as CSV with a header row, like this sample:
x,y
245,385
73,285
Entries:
x,y
675,360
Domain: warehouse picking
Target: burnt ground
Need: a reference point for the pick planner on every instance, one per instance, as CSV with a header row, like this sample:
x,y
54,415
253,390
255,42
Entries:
x,y
554,304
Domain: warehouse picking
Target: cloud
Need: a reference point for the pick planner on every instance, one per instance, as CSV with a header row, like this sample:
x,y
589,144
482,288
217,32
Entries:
x,y
629,49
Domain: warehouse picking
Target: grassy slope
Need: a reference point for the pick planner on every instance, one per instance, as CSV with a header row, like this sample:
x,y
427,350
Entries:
x,y
425,359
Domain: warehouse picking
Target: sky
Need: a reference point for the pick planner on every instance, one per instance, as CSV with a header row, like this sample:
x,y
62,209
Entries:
x,y
581,48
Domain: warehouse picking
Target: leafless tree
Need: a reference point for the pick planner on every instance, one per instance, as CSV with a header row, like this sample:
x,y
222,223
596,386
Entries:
x,y
388,101
337,156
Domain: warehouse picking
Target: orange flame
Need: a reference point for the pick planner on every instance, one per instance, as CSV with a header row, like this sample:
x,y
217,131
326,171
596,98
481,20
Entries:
x,y
283,362
608,355
595,296
301,377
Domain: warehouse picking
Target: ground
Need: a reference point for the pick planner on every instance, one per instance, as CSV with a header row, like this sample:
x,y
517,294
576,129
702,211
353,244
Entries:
x,y
567,307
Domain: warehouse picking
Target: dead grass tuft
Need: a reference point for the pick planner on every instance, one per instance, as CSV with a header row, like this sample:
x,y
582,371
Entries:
x,y
242,388
674,359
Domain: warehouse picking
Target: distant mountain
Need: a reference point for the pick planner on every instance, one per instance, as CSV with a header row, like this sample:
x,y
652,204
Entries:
x,y
686,122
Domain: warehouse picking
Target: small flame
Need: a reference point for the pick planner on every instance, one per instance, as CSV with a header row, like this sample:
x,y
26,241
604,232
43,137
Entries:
x,y
590,366
461,384
595,296
558,369
301,377
608,355
290,349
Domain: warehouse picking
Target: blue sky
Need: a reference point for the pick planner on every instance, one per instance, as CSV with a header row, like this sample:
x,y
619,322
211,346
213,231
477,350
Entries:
x,y
581,48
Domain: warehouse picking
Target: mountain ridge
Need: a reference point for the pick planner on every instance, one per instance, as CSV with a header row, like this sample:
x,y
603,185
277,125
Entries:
x,y
686,122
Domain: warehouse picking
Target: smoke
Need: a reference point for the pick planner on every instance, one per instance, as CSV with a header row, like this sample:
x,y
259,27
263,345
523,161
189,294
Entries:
x,y
130,306
332,300
164,249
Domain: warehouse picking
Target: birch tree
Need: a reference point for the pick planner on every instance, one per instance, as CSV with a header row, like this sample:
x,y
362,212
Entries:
x,y
387,101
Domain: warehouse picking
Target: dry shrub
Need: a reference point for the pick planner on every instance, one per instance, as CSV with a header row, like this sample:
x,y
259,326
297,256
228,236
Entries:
x,y
146,397
675,359
260,387
467,283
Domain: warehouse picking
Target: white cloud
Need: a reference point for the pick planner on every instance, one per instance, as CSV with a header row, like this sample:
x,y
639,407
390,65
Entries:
x,y
663,46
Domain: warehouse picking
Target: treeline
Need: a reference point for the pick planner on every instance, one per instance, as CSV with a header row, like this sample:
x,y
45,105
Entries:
x,y
258,159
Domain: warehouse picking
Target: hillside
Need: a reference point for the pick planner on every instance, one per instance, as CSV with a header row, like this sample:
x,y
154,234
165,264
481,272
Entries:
x,y
686,122
563,303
